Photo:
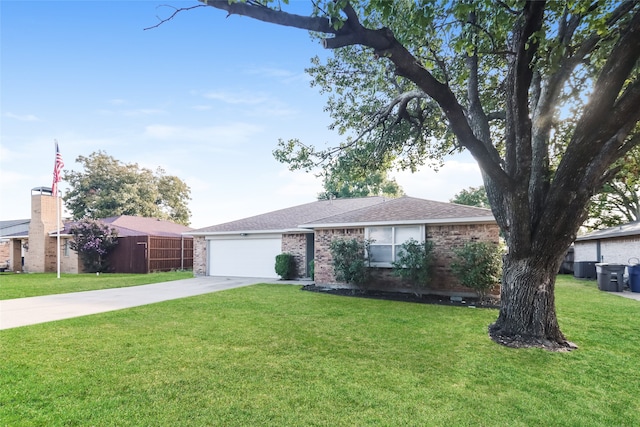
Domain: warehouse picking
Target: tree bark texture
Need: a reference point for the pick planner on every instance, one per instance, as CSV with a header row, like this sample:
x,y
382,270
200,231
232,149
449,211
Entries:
x,y
527,312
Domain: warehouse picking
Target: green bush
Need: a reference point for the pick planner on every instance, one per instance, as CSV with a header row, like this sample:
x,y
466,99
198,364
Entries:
x,y
312,265
414,262
349,261
478,266
285,266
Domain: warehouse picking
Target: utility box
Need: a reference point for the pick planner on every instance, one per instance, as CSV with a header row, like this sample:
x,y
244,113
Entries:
x,y
584,269
610,277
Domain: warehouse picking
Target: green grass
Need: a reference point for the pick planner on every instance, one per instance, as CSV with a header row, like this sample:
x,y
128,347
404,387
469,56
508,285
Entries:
x,y
36,284
273,355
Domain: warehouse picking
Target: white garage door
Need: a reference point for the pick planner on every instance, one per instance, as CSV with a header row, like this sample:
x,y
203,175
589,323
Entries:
x,y
244,256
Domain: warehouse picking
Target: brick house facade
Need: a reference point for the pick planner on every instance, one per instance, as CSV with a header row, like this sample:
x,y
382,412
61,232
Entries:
x,y
296,245
616,245
445,239
447,225
199,256
35,249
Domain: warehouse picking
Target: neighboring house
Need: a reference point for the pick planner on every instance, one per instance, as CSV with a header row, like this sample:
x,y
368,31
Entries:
x,y
144,244
8,229
248,247
619,245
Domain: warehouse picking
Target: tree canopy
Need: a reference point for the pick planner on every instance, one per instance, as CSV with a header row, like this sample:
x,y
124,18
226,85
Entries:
x,y
473,196
107,187
544,95
344,182
619,200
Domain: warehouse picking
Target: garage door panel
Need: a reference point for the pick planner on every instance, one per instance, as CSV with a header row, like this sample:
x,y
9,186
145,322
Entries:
x,y
244,257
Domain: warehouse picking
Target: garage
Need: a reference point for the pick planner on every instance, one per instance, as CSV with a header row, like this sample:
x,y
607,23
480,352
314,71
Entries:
x,y
244,256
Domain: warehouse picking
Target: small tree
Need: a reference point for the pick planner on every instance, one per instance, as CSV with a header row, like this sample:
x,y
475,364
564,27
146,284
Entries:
x,y
414,262
93,240
478,266
350,260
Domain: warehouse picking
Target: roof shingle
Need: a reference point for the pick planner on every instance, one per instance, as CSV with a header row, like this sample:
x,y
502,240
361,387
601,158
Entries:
x,y
128,225
367,210
291,218
408,209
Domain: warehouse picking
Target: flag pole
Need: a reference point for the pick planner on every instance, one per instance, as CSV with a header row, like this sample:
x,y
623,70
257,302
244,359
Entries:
x,y
57,168
57,218
58,234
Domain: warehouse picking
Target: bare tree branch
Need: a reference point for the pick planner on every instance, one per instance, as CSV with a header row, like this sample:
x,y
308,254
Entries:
x,y
173,15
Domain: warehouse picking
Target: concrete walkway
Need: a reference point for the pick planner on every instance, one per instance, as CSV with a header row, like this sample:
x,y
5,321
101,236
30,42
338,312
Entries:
x,y
627,294
33,310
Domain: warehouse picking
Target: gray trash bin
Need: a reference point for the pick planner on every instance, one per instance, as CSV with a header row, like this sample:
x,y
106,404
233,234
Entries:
x,y
610,277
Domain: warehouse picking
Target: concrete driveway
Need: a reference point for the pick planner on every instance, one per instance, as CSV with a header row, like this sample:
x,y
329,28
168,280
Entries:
x,y
33,310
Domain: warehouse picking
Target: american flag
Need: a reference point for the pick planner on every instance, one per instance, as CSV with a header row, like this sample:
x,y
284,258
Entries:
x,y
57,169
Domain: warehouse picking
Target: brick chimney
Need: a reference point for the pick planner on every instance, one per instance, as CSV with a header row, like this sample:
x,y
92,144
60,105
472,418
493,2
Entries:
x,y
41,256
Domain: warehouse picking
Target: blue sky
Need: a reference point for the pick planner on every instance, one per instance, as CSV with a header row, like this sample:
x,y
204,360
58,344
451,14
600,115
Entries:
x,y
204,96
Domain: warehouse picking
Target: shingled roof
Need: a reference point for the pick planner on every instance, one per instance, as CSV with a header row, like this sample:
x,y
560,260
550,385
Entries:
x,y
289,219
628,229
128,225
357,211
407,210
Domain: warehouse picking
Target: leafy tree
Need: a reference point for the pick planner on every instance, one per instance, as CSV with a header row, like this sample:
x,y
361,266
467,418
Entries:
x,y
619,200
106,187
474,196
544,95
344,182
415,262
477,266
93,240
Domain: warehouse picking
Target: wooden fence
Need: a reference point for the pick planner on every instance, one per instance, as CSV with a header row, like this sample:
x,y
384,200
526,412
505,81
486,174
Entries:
x,y
145,254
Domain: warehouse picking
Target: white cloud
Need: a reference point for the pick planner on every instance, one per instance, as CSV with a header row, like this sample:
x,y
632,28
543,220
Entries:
x,y
22,117
281,74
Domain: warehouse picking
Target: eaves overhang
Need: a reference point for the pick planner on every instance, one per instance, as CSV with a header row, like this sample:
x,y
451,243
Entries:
x,y
439,221
248,232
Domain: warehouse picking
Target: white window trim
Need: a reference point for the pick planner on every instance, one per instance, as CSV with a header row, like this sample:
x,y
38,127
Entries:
x,y
393,243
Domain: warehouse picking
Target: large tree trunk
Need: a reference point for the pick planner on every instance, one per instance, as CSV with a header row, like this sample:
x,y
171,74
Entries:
x,y
527,312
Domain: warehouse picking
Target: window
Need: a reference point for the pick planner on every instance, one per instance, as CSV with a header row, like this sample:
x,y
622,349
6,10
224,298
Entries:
x,y
386,242
65,247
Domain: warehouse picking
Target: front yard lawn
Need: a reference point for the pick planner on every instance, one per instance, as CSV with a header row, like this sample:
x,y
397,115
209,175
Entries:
x,y
273,355
30,285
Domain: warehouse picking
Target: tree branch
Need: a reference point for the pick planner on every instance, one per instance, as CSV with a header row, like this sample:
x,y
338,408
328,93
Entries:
x,y
265,14
173,15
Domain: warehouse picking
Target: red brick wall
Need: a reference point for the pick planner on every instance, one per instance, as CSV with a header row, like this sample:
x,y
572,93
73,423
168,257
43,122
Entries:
x,y
444,237
296,245
448,237
323,267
